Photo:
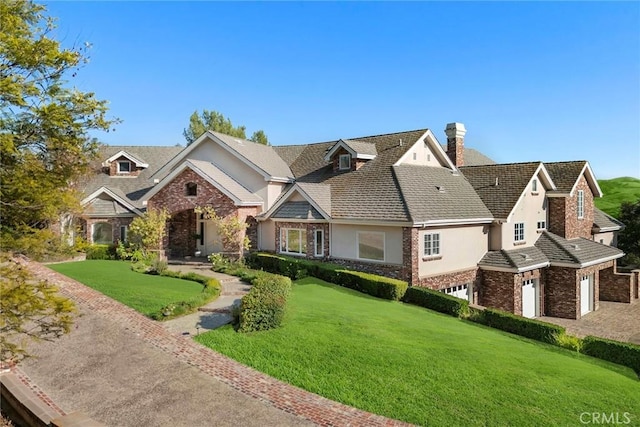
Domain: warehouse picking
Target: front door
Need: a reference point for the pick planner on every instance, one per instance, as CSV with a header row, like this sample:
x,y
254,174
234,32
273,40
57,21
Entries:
x,y
586,294
530,298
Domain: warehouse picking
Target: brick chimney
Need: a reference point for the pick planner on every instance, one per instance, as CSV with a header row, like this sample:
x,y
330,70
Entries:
x,y
455,143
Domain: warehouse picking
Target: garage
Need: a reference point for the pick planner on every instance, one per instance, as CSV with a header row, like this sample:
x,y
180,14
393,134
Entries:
x,y
586,294
460,291
530,298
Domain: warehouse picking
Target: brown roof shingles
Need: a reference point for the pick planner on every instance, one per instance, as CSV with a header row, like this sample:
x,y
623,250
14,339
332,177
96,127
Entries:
x,y
565,174
575,251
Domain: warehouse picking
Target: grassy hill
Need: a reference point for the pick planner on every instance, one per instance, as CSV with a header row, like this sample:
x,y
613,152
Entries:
x,y
615,192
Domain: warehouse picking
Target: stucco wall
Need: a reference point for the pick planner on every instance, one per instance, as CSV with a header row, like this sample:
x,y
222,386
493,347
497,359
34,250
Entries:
x,y
460,248
344,242
267,232
423,156
530,209
609,238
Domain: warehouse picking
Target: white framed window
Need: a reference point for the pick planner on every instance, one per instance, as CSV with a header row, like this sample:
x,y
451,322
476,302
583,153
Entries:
x,y
102,233
318,242
518,235
293,241
124,231
370,245
534,185
431,244
345,161
580,200
124,166
542,225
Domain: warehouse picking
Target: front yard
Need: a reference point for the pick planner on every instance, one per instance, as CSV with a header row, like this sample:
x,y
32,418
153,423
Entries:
x,y
422,367
145,293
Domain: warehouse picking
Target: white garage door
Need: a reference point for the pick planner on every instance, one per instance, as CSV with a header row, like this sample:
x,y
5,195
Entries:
x,y
529,298
460,291
586,294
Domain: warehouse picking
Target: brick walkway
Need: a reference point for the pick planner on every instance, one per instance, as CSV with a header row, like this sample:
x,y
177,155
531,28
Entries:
x,y
613,320
247,381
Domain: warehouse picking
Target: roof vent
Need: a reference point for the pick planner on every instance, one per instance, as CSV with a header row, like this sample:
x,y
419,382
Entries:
x,y
497,183
526,257
575,246
440,188
400,142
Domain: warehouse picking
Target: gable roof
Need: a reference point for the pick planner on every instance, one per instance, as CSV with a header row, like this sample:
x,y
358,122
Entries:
x,y
357,149
123,153
603,222
131,189
566,175
511,179
118,205
434,194
214,176
575,253
261,158
318,196
297,210
516,260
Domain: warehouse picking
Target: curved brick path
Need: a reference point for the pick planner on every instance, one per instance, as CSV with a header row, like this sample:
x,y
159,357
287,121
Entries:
x,y
249,382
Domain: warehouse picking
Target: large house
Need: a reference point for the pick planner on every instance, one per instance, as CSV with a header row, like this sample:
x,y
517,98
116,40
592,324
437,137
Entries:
x,y
522,237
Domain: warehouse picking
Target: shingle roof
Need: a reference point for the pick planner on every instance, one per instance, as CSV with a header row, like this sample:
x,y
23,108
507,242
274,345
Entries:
x,y
605,222
106,207
512,178
132,189
519,259
361,147
434,193
263,156
473,157
575,251
320,193
565,174
227,183
297,210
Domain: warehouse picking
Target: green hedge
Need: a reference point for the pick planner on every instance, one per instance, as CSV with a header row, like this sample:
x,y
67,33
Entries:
x,y
530,328
101,252
437,301
613,351
210,290
264,306
378,286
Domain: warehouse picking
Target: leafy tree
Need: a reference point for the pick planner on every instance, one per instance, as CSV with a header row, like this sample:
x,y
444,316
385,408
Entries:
x,y
230,229
148,230
629,238
44,124
29,310
212,120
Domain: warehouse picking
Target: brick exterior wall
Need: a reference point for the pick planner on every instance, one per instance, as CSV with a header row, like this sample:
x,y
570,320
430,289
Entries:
x,y
455,278
310,227
455,150
86,225
183,224
616,287
563,213
410,256
112,170
503,290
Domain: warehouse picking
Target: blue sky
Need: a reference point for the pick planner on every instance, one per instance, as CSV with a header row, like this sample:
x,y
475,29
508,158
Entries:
x,y
531,81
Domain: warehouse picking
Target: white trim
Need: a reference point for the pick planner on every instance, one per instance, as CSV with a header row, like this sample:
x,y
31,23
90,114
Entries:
x,y
93,232
430,139
344,156
122,162
586,264
122,153
351,221
285,197
114,196
591,178
384,244
431,244
354,154
580,204
315,242
187,164
299,230
441,222
546,180
514,269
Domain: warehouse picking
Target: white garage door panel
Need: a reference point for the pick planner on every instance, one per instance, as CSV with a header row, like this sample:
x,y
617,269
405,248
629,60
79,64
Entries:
x,y
529,298
585,294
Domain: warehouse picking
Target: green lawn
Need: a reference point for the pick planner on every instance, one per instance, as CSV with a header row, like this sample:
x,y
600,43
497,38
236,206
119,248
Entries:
x,y
615,192
409,363
142,292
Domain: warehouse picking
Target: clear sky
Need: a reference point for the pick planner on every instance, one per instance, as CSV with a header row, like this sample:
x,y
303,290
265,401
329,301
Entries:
x,y
531,81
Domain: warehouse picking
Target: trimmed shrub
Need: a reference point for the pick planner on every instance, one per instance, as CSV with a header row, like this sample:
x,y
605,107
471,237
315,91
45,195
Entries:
x,y
264,306
210,290
530,328
437,301
101,252
372,284
625,354
569,342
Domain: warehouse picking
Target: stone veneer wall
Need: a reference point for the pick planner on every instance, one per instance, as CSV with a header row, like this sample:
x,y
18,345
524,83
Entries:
x,y
616,287
563,213
310,228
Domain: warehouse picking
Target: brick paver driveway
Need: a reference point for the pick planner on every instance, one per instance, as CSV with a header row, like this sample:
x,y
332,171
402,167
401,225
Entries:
x,y
613,320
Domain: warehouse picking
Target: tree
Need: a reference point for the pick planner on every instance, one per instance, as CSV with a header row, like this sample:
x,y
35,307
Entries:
x,y
212,120
230,229
629,238
148,230
45,145
29,310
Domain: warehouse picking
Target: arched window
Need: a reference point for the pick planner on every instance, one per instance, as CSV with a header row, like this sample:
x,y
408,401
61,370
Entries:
x,y
191,189
102,233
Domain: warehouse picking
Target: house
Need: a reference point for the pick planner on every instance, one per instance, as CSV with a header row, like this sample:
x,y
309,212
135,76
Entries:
x,y
522,237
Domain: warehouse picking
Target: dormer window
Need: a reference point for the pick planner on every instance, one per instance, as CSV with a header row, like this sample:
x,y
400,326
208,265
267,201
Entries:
x,y
345,162
124,166
191,189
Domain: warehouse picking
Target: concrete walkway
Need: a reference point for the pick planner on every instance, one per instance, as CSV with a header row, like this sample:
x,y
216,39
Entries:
x,y
124,369
214,314
613,320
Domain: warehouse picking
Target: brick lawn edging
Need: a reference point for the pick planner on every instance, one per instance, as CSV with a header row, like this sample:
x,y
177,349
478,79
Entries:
x,y
248,381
